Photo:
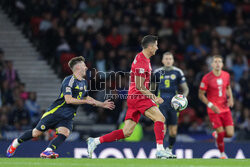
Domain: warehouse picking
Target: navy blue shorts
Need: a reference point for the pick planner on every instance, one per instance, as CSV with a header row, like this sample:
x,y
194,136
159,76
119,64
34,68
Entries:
x,y
170,114
53,121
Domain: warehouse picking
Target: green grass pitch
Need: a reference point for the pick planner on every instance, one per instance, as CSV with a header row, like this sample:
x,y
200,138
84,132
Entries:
x,y
68,162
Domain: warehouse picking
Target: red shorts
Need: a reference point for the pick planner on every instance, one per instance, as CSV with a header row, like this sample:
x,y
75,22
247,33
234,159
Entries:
x,y
221,120
136,107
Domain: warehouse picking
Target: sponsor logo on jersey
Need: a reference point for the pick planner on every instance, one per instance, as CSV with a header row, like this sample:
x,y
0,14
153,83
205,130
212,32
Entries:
x,y
77,87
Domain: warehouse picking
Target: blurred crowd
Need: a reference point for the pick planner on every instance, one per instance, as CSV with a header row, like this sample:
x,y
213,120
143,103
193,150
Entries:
x,y
108,34
18,108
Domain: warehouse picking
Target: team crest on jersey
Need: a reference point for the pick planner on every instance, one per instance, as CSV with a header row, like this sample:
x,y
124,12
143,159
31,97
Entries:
x,y
81,88
219,81
43,127
173,76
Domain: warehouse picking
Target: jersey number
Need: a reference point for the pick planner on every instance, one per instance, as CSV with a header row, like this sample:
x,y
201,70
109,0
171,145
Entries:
x,y
220,91
167,83
79,96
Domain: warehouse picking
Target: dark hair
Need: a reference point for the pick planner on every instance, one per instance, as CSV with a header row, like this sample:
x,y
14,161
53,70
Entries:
x,y
74,61
148,39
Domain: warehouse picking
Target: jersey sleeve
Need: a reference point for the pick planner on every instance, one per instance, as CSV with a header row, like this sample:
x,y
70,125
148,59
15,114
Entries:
x,y
67,86
156,76
182,78
203,85
140,68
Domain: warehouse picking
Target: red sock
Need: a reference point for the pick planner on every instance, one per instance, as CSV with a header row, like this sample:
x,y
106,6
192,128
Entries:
x,y
220,141
159,132
113,136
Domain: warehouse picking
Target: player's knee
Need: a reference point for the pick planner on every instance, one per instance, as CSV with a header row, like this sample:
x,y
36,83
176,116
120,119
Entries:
x,y
65,133
36,133
160,118
127,132
230,134
173,134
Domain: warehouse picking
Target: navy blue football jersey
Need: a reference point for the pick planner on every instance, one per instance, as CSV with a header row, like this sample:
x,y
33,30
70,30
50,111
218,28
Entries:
x,y
70,86
168,81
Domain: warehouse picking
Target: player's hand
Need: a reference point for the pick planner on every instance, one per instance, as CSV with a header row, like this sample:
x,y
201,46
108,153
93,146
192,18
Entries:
x,y
230,102
215,109
108,104
158,100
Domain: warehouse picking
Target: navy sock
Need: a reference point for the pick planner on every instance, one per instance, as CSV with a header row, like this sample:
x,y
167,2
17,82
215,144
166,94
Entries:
x,y
171,141
26,136
56,142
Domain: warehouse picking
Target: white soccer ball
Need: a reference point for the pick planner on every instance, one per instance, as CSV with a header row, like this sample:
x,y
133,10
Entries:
x,y
179,102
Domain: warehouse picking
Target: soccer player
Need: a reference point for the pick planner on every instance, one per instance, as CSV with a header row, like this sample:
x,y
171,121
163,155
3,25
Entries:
x,y
140,101
62,111
216,86
169,78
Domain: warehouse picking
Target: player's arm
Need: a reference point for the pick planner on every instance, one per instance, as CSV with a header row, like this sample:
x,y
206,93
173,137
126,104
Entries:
x,y
108,104
139,82
204,99
71,100
184,88
229,93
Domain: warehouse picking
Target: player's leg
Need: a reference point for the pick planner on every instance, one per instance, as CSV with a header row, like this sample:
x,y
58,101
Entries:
x,y
220,141
219,134
229,131
29,134
62,134
155,115
172,117
116,135
172,130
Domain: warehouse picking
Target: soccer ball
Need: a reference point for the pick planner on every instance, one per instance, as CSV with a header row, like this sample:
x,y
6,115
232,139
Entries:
x,y
179,102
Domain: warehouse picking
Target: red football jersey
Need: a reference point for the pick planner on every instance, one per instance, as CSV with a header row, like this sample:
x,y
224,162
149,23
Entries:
x,y
141,66
215,87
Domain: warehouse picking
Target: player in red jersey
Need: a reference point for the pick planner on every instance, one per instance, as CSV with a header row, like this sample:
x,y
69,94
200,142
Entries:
x,y
140,101
216,85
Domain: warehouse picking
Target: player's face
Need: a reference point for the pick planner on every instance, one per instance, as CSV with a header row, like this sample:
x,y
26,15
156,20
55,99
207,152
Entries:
x,y
154,48
168,60
83,68
217,64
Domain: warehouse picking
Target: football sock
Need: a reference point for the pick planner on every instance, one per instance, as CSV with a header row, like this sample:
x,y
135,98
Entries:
x,y
97,140
113,136
15,143
159,132
24,137
159,147
171,141
220,141
56,142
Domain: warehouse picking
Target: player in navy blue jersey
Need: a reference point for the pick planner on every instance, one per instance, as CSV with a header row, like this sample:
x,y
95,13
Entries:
x,y
62,111
169,79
